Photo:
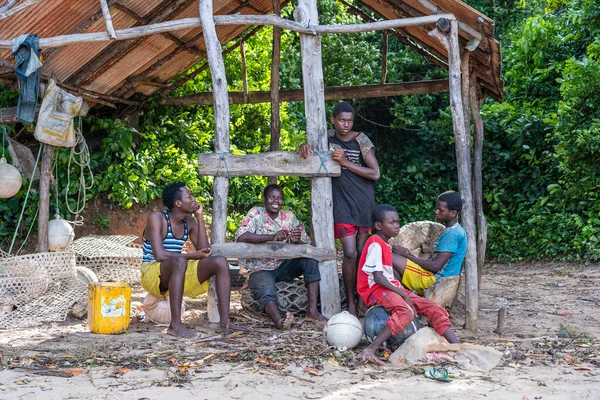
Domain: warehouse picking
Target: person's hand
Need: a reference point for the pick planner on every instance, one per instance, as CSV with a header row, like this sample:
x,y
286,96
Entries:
x,y
339,156
203,253
281,236
305,150
296,234
410,304
401,250
198,212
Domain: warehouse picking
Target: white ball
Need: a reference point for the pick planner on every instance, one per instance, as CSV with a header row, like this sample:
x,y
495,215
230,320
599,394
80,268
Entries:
x,y
10,179
344,330
60,234
158,310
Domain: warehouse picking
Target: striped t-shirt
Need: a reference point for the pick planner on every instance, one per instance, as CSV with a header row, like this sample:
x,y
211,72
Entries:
x,y
170,242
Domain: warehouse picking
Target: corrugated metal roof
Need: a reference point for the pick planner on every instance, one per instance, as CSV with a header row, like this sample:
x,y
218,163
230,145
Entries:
x,y
144,65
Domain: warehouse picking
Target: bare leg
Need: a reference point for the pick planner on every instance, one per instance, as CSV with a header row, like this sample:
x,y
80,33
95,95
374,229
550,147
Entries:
x,y
172,278
450,336
272,311
361,239
218,267
399,264
349,270
313,293
369,352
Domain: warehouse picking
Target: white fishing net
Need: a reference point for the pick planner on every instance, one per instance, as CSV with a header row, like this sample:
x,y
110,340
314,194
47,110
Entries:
x,y
112,258
39,287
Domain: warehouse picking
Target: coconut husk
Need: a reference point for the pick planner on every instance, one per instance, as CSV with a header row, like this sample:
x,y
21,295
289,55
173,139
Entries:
x,y
444,291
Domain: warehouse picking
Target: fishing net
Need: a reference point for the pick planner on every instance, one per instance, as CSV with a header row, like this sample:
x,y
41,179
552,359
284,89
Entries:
x,y
36,288
111,258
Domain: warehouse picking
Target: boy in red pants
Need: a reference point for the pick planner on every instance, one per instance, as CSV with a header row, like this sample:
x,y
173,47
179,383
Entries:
x,y
377,286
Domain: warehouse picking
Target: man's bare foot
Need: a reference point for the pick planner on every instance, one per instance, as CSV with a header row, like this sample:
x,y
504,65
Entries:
x,y
230,326
316,316
286,323
180,331
369,356
351,308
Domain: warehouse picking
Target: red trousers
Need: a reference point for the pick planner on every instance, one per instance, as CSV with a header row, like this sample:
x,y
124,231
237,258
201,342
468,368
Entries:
x,y
402,314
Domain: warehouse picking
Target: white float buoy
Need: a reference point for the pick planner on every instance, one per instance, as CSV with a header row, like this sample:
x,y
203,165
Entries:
x,y
343,330
60,234
10,179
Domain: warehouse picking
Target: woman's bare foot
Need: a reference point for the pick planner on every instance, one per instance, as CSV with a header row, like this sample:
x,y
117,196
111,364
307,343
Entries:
x,y
369,356
286,323
180,331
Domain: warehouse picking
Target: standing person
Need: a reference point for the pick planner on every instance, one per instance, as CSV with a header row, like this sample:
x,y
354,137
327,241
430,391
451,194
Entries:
x,y
353,191
168,271
449,249
267,224
377,286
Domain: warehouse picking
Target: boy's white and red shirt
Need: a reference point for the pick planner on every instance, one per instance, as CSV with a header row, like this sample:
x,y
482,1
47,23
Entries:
x,y
376,256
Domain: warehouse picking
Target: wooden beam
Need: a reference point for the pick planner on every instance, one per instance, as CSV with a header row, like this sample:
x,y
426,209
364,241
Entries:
x,y
187,23
384,51
10,10
463,158
274,144
44,203
272,250
331,93
475,99
222,132
272,163
244,72
316,130
107,19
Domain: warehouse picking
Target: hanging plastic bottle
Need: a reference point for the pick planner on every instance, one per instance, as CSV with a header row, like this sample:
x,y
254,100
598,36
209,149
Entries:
x,y
60,234
10,179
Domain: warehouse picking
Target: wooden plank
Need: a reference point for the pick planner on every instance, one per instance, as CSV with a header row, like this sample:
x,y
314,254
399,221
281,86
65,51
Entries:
x,y
273,163
316,129
331,93
222,119
272,250
463,158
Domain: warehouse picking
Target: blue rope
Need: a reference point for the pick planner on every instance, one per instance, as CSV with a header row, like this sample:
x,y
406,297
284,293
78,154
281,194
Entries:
x,y
323,156
224,160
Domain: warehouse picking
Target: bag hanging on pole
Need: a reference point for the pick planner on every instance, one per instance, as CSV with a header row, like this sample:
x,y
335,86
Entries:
x,y
55,122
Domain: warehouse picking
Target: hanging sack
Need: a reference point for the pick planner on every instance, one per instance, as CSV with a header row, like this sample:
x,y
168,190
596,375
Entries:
x,y
55,122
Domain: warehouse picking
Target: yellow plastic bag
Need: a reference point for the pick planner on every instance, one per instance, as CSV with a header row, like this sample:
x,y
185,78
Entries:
x,y
55,121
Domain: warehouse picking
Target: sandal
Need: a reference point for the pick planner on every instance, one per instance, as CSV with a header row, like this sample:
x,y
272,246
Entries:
x,y
438,374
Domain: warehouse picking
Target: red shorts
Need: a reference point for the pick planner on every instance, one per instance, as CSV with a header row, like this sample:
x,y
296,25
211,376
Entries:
x,y
342,230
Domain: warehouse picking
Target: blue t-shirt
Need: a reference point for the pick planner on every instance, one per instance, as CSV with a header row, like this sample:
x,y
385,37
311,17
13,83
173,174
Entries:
x,y
452,240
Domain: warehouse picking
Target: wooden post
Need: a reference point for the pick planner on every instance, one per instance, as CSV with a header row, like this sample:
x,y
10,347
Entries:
x,y
274,89
107,19
222,119
44,205
475,101
384,50
316,130
244,72
463,158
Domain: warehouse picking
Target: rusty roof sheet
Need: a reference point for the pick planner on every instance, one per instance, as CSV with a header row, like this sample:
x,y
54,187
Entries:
x,y
119,69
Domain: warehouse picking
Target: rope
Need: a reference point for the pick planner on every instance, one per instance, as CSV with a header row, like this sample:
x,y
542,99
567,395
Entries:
x,y
83,163
323,156
224,160
25,204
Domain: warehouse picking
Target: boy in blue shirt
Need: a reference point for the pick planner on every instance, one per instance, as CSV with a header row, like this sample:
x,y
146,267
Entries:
x,y
450,248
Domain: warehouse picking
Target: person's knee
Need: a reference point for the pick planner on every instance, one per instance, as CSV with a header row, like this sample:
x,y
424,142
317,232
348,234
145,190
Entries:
x,y
221,264
179,266
350,255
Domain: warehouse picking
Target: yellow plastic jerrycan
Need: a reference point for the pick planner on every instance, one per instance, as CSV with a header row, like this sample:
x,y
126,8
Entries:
x,y
109,307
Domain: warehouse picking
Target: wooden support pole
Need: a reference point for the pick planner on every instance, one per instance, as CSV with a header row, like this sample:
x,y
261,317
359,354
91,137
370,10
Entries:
x,y
222,120
384,51
274,144
475,101
316,130
244,72
108,20
463,158
272,250
331,93
239,19
44,205
272,163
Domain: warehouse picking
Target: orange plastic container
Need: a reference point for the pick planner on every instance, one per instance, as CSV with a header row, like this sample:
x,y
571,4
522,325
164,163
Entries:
x,y
109,307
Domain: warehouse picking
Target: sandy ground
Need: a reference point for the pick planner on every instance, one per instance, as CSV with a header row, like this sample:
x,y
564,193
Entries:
x,y
551,347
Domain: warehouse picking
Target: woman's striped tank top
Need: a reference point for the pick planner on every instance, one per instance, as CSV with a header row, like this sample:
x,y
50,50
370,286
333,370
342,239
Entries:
x,y
170,242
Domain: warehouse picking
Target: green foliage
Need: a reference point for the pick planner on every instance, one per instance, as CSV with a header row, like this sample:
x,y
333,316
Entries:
x,y
101,222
